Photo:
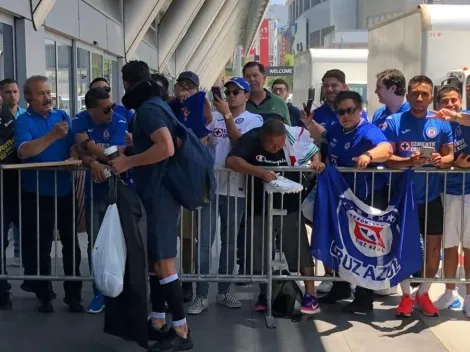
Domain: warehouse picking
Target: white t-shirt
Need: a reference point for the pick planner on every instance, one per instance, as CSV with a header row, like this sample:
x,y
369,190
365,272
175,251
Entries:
x,y
219,144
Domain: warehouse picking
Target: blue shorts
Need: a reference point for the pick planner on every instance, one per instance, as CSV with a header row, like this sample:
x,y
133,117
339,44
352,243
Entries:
x,y
162,225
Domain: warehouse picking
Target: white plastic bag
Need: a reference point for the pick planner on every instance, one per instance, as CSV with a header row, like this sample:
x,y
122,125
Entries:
x,y
109,255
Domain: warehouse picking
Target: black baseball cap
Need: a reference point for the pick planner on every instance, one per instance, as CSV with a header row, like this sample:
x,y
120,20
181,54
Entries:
x,y
190,76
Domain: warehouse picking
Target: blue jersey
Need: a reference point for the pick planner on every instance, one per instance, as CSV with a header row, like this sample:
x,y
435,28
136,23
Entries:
x,y
461,146
327,117
104,135
410,134
121,111
344,146
382,113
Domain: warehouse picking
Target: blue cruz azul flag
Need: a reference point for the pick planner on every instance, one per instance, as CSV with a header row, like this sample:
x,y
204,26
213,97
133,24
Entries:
x,y
192,114
368,247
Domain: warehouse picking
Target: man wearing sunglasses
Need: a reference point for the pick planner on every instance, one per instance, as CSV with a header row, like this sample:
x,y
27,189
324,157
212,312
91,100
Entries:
x,y
96,129
230,122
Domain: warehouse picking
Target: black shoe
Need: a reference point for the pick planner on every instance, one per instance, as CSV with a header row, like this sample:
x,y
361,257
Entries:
x,y
173,342
157,334
75,306
335,295
45,306
5,302
187,292
356,307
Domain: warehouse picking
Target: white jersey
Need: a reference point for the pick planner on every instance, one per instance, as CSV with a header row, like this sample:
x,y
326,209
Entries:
x,y
219,144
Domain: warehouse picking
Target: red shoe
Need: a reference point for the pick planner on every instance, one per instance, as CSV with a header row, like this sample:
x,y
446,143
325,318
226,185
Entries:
x,y
425,304
405,308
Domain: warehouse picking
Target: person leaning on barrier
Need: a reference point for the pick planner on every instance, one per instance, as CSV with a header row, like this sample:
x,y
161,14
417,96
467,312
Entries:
x,y
9,196
153,135
450,98
409,132
44,135
229,124
96,129
354,142
264,147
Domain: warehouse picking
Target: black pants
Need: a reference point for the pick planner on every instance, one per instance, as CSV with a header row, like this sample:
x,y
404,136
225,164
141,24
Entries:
x,y
10,215
45,228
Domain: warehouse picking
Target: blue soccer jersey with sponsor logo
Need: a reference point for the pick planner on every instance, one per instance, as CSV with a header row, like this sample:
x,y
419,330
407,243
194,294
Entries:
x,y
410,134
344,146
382,113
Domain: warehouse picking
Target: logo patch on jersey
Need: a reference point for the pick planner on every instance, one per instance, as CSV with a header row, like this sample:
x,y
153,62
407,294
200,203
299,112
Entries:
x,y
347,145
431,132
185,112
220,132
333,142
405,146
239,121
105,134
383,126
458,131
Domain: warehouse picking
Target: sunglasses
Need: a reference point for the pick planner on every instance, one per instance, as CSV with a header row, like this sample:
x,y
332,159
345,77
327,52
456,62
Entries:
x,y
348,111
109,109
235,92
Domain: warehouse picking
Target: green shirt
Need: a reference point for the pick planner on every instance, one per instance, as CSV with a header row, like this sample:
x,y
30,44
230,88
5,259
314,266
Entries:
x,y
271,107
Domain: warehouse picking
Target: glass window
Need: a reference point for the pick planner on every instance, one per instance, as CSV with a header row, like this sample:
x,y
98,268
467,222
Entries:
x,y
51,67
64,78
96,66
6,52
83,76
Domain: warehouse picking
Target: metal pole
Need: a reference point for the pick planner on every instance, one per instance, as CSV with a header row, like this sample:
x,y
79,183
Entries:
x,y
270,323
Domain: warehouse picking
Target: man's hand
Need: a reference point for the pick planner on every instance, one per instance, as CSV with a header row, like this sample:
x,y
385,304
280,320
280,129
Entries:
x,y
120,164
462,161
362,161
221,106
436,159
416,160
447,115
60,130
129,139
98,174
318,166
306,118
268,175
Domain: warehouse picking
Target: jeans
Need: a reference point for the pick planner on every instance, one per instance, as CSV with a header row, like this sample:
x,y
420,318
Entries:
x,y
222,207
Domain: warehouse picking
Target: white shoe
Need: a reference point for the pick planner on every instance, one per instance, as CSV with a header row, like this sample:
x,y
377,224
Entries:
x,y
199,305
15,262
227,300
387,291
466,306
449,300
283,185
325,286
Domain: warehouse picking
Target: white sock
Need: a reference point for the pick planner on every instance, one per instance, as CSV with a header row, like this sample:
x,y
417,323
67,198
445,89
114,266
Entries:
x,y
424,288
405,288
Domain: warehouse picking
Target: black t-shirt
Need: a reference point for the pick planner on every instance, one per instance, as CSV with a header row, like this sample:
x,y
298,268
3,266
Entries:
x,y
250,149
8,153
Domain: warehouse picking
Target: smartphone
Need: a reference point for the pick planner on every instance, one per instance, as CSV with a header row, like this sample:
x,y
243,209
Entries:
x,y
308,108
216,92
426,152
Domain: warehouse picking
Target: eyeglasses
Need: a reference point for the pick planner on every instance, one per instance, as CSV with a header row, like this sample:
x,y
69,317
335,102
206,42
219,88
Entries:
x,y
235,92
186,85
348,111
107,89
109,109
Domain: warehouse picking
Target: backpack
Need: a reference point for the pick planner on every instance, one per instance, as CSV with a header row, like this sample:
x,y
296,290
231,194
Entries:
x,y
189,174
287,298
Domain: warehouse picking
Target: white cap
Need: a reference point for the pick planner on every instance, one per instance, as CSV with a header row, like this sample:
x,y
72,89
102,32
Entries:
x,y
110,150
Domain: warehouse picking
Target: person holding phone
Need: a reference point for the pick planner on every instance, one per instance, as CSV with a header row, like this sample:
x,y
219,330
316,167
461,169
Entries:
x,y
353,142
411,134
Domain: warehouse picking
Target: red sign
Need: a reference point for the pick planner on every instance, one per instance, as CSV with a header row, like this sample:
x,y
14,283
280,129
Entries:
x,y
264,43
251,53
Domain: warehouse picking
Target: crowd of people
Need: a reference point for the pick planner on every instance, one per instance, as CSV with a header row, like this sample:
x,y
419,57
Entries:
x,y
247,129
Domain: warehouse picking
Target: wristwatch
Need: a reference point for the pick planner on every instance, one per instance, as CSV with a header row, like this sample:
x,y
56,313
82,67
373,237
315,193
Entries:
x,y
228,116
368,154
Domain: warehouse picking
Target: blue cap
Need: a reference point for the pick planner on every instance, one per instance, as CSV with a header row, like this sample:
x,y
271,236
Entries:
x,y
190,76
240,82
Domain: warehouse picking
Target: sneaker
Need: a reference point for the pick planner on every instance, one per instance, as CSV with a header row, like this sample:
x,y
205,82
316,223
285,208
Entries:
x,y
155,334
466,306
96,305
425,304
45,306
261,304
16,262
227,300
405,308
325,286
448,300
283,185
173,342
199,305
5,302
310,305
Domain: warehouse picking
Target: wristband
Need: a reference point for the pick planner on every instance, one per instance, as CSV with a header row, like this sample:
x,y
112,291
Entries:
x,y
368,154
